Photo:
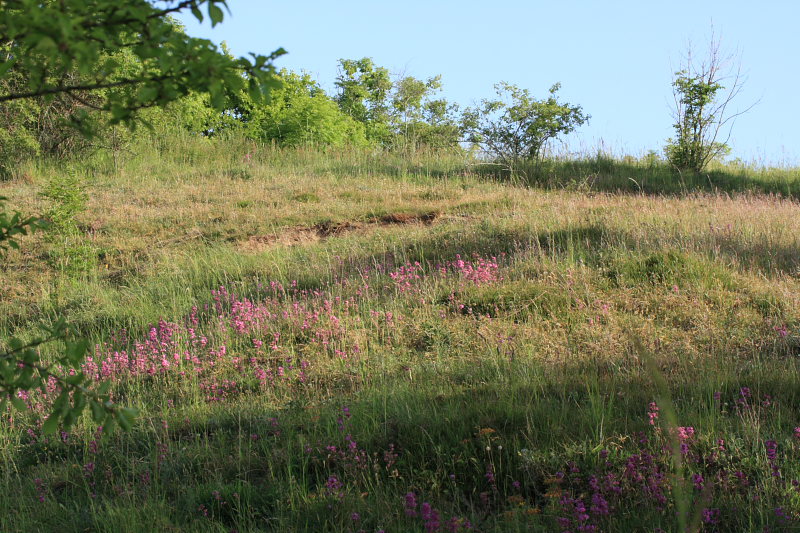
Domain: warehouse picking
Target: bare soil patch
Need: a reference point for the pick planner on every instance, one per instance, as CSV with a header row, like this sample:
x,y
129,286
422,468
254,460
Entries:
x,y
305,235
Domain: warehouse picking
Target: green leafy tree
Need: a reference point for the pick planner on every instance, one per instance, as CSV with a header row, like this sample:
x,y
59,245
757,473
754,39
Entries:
x,y
701,110
40,121
363,93
516,126
421,120
396,114
298,113
72,49
49,40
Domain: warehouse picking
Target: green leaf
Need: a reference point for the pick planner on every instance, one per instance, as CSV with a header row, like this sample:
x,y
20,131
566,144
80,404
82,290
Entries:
x,y
50,425
78,400
124,422
147,94
98,413
125,417
69,419
108,427
215,14
74,380
6,65
103,388
18,403
75,351
61,405
129,412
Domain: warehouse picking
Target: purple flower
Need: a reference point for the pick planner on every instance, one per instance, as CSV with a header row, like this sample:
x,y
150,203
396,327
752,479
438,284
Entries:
x,y
333,487
40,489
772,450
772,456
426,510
599,505
454,524
745,392
411,504
431,517
711,516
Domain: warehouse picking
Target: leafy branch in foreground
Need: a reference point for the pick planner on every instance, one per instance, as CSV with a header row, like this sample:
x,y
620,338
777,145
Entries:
x,y
131,53
14,225
64,388
113,57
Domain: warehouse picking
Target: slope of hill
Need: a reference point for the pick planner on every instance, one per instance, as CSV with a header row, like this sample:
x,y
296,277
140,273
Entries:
x,y
359,342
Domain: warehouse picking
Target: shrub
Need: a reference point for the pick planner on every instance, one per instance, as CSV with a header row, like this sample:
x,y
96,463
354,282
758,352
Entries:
x,y
516,127
701,113
301,113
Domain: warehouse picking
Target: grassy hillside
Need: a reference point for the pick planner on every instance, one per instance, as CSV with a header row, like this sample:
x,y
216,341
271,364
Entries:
x,y
340,341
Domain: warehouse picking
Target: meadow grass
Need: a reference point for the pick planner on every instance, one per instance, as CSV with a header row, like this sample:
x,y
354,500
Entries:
x,y
358,341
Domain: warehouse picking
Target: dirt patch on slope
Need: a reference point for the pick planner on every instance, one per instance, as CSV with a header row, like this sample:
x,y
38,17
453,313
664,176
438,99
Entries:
x,y
408,218
304,235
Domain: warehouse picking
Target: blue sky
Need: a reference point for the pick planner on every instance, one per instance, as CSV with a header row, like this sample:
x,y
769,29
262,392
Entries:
x,y
614,58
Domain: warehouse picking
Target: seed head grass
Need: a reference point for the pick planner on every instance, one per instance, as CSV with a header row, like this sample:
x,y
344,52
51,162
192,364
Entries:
x,y
357,341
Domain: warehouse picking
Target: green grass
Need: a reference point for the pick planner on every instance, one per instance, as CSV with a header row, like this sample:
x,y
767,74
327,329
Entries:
x,y
603,289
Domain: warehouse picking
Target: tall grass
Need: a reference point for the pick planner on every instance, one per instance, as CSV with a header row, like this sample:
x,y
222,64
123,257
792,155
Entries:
x,y
413,343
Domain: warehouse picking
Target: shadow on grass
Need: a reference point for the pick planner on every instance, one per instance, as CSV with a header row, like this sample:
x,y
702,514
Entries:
x,y
593,245
520,420
765,256
600,174
613,176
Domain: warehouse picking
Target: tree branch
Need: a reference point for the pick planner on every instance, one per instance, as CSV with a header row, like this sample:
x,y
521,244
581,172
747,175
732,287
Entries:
x,y
87,87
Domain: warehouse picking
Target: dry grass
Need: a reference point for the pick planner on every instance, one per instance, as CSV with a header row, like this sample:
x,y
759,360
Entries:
x,y
548,360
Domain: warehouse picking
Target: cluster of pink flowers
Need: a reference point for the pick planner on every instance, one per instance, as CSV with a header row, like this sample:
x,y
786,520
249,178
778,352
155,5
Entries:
x,y
234,341
479,270
652,413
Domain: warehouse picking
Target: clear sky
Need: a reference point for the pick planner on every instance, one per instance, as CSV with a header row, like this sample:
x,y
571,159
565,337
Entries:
x,y
614,58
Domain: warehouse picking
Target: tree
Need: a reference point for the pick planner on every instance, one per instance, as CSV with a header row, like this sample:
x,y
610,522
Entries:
x,y
299,112
71,49
400,113
419,119
702,94
364,90
50,40
516,127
